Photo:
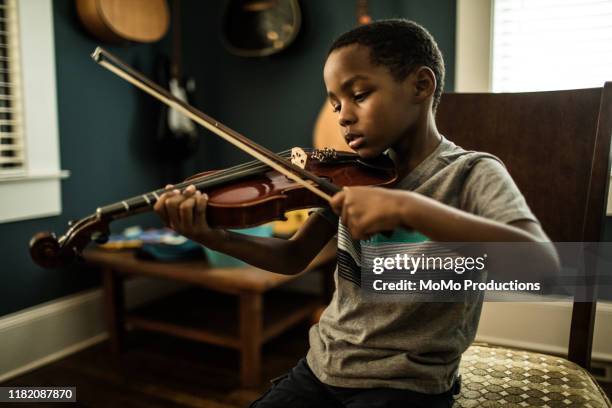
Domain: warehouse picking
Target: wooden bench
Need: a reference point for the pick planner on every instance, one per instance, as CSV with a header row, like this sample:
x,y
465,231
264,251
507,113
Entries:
x,y
248,283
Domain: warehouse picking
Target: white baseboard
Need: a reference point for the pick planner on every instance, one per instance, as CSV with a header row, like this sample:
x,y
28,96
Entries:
x,y
48,332
542,326
67,325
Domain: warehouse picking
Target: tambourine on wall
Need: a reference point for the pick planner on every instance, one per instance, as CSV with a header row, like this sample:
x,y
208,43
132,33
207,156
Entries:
x,y
258,28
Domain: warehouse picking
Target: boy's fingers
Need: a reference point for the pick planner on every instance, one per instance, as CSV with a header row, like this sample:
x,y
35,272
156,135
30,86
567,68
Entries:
x,y
160,208
190,190
186,213
344,215
345,206
157,207
200,209
337,201
172,209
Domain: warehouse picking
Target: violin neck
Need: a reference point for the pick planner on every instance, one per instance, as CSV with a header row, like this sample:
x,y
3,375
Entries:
x,y
146,201
130,206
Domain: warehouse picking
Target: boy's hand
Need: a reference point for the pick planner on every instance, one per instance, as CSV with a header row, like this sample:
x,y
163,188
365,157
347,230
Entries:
x,y
186,213
369,210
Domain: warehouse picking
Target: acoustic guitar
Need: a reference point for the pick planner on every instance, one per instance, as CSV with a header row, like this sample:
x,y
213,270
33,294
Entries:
x,y
117,21
327,131
326,134
257,28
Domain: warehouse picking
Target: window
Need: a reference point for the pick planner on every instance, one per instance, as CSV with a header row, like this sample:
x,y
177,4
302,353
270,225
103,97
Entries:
x,y
542,45
12,157
533,45
28,112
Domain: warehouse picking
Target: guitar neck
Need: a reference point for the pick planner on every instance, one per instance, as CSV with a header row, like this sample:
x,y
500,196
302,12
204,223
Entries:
x,y
362,12
175,65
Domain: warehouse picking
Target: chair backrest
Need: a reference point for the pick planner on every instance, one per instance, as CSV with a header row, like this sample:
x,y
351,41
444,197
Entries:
x,y
556,146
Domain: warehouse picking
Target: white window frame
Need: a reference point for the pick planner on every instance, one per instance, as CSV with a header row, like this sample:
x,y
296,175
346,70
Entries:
x,y
38,192
473,42
473,53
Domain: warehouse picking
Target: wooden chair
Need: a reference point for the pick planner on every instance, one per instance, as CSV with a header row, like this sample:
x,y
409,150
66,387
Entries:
x,y
556,146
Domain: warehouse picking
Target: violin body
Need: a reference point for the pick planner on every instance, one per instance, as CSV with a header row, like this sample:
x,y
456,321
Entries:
x,y
268,196
240,197
116,21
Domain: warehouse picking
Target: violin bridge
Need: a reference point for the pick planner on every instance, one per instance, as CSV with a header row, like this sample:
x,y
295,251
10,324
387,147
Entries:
x,y
299,157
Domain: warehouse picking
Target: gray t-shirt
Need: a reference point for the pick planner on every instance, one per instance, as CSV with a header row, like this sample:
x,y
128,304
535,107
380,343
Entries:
x,y
410,345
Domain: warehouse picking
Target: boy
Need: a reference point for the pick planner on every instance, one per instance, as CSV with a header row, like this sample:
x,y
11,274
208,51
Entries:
x,y
384,80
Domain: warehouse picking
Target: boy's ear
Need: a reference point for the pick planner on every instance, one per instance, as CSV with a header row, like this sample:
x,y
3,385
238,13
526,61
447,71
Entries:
x,y
425,83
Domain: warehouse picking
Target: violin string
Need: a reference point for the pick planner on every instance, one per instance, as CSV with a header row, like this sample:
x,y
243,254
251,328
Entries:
x,y
240,169
149,199
220,175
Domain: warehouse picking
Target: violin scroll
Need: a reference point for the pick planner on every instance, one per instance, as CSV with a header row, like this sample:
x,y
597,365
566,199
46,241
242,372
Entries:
x,y
45,250
50,252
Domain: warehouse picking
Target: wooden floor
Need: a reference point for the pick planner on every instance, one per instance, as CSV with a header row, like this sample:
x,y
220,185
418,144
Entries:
x,y
162,371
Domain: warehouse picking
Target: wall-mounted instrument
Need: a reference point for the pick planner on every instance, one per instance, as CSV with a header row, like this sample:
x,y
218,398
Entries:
x,y
117,21
257,28
177,134
327,131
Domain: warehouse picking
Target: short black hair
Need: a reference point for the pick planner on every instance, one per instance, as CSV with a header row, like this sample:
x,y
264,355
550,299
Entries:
x,y
400,45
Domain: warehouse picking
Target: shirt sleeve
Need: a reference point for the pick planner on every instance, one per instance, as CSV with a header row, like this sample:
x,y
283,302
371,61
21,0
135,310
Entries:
x,y
489,191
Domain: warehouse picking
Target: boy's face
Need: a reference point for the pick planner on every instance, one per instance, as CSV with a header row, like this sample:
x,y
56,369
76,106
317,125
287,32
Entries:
x,y
374,111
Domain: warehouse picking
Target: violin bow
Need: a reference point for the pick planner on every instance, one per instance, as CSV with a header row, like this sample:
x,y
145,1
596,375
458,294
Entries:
x,y
290,170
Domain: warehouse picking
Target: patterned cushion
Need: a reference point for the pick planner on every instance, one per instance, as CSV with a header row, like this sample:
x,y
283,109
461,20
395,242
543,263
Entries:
x,y
500,377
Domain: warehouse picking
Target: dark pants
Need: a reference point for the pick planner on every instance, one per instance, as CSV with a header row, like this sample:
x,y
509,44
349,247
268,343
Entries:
x,y
301,388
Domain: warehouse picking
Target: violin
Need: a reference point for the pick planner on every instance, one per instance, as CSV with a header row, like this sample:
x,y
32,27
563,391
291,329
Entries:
x,y
239,197
242,196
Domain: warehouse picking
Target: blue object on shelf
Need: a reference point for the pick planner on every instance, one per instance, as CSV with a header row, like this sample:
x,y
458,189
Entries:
x,y
221,260
170,252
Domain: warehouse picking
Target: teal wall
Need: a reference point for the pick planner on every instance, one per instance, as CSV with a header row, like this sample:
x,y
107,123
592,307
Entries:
x,y
275,100
107,127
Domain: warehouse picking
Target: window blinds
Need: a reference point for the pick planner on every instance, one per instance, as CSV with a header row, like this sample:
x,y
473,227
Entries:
x,y
12,149
551,44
